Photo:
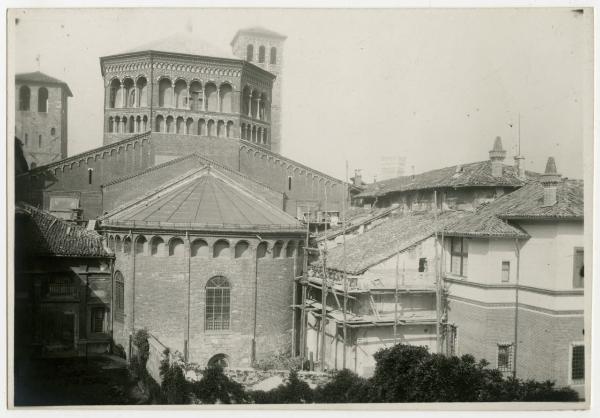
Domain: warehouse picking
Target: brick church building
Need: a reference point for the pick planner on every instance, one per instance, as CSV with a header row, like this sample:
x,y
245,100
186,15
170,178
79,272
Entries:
x,y
204,216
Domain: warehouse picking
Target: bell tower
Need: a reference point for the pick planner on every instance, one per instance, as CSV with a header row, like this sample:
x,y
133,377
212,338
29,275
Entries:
x,y
264,48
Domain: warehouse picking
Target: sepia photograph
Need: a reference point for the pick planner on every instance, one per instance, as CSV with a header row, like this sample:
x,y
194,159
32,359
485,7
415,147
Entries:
x,y
299,207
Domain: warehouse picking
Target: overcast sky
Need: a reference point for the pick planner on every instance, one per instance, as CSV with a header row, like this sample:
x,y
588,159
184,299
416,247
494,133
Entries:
x,y
434,86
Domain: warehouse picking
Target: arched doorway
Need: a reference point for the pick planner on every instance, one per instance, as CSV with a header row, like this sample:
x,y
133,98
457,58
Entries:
x,y
219,360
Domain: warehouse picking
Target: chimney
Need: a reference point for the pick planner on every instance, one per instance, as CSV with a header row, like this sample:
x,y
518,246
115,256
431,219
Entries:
x,y
497,155
357,179
520,167
550,181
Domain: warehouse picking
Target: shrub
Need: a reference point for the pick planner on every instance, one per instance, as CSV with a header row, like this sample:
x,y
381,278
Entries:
x,y
215,387
173,385
345,387
293,391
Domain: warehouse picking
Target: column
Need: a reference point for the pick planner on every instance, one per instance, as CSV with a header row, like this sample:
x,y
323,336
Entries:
x,y
123,98
219,99
189,101
203,100
250,105
173,104
258,108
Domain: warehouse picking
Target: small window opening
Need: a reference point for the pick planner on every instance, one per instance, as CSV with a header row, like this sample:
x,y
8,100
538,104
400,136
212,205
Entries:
x,y
289,182
505,271
90,173
422,265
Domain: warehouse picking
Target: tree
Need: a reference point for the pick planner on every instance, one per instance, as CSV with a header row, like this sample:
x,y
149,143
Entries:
x,y
344,387
215,387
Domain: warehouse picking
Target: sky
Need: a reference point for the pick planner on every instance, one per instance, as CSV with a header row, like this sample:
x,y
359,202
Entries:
x,y
434,86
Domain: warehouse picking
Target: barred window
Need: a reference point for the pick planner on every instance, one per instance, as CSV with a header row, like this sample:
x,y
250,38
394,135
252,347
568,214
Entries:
x,y
60,287
459,253
578,364
98,319
505,357
217,304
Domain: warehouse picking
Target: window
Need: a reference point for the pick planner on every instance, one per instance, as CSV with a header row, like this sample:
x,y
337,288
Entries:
x,y
24,98
176,247
199,248
277,249
261,54
505,357
578,364
26,139
261,250
249,52
43,100
60,287
273,55
242,249
39,141
98,320
119,296
422,265
459,256
578,268
289,182
505,271
221,249
157,246
52,131
217,304
290,250
90,171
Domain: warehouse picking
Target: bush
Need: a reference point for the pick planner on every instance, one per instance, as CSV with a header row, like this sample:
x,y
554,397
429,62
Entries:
x,y
215,387
345,387
280,361
294,391
173,386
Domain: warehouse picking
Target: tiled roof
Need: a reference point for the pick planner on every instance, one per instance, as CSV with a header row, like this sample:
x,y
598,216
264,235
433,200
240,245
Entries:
x,y
46,234
39,77
466,175
183,43
490,220
385,240
528,202
203,198
355,217
260,31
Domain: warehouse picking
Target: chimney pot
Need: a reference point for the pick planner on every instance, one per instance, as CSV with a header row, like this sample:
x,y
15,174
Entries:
x,y
497,155
550,180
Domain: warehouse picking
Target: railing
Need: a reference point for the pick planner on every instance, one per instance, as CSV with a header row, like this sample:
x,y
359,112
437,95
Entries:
x,y
61,289
191,225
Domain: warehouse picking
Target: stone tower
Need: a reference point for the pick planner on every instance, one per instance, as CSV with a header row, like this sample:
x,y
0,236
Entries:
x,y
41,117
264,48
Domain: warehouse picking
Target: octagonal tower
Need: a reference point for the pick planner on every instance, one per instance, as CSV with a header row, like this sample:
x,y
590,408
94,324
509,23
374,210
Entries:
x,y
182,85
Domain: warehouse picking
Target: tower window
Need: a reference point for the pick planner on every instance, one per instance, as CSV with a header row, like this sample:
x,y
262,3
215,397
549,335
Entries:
x,y
90,172
40,141
24,98
52,131
261,54
273,55
289,182
43,100
249,52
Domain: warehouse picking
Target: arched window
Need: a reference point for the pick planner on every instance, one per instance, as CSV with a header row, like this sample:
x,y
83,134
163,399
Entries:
x,y
43,100
160,124
199,248
24,98
201,127
170,125
165,93
210,92
242,250
261,250
273,55
229,129
142,87
226,93
277,249
261,54
176,247
119,296
196,96
188,126
220,128
217,304
290,249
115,85
40,141
140,245
250,52
221,249
131,124
219,360
157,246
129,92
180,125
181,98
118,244
210,128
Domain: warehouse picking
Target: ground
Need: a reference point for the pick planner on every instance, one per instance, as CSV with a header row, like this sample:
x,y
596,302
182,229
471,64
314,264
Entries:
x,y
94,381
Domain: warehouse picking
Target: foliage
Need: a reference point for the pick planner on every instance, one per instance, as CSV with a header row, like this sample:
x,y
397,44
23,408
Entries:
x,y
215,387
344,387
173,386
293,391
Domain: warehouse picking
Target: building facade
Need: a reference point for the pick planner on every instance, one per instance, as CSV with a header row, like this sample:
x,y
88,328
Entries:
x,y
264,48
41,117
181,85
207,267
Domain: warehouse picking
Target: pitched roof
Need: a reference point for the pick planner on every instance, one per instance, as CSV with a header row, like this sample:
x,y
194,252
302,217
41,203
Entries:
x,y
355,217
46,234
202,198
528,202
465,175
260,31
385,240
183,43
39,77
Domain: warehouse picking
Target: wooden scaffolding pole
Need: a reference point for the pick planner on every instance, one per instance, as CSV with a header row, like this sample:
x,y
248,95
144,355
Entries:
x,y
304,281
323,308
438,281
294,301
344,274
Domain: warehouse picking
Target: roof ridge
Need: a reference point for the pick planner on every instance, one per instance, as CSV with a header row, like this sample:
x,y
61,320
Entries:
x,y
149,169
76,157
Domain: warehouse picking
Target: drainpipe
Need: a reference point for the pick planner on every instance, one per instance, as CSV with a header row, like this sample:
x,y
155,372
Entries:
x,y
518,254
187,331
253,348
